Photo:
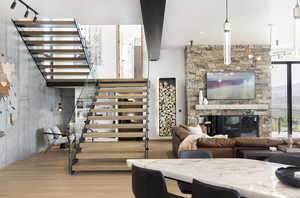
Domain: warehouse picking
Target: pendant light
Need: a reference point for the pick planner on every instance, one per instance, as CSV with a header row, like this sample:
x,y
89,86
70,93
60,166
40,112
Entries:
x,y
297,28
227,38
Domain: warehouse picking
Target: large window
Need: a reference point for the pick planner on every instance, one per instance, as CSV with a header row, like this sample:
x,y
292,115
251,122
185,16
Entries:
x,y
283,77
296,99
279,100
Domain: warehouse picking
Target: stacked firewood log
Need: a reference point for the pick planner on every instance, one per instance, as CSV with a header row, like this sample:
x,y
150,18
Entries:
x,y
167,108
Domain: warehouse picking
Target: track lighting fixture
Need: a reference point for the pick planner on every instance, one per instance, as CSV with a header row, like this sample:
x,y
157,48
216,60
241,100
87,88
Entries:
x,y
35,18
26,13
28,9
13,5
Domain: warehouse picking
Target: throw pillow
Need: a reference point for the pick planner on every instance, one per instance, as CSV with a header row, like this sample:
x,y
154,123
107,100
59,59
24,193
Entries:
x,y
197,130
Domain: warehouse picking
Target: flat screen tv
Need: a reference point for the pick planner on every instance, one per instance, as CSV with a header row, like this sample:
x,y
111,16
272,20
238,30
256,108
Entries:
x,y
230,85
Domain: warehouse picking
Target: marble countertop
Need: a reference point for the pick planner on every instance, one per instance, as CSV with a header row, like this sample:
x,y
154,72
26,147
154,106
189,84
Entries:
x,y
252,178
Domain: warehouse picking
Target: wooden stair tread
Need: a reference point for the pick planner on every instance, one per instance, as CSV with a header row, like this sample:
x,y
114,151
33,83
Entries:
x,y
53,42
54,22
85,165
114,135
116,117
121,90
123,85
127,96
60,58
41,51
126,146
66,73
120,103
72,80
115,126
132,110
64,66
132,155
37,33
129,80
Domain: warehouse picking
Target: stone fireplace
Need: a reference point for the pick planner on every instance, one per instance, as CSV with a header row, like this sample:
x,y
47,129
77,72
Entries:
x,y
201,59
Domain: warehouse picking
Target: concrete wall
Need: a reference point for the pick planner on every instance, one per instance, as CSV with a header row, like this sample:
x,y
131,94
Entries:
x,y
35,104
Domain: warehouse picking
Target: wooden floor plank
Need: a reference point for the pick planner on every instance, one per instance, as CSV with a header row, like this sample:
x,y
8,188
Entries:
x,y
45,175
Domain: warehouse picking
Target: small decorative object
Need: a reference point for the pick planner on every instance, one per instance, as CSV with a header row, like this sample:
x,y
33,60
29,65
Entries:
x,y
205,101
288,176
201,97
290,141
167,106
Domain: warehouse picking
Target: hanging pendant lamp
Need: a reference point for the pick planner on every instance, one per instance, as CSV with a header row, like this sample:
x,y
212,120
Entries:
x,y
227,38
297,29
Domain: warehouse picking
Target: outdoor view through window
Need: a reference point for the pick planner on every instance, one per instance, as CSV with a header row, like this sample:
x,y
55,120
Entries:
x,y
279,100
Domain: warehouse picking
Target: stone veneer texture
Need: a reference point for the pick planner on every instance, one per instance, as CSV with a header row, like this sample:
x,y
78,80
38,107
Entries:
x,y
200,59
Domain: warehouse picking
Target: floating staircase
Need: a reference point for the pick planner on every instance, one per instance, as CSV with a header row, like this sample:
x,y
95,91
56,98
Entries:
x,y
116,126
57,48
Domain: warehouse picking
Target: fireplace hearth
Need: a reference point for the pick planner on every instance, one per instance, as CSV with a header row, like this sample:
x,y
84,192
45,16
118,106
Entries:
x,y
234,126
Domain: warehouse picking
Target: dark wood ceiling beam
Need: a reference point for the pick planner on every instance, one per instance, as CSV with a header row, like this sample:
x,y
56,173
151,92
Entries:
x,y
153,12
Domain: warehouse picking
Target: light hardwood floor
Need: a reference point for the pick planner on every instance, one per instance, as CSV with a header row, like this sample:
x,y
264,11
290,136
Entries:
x,y
45,175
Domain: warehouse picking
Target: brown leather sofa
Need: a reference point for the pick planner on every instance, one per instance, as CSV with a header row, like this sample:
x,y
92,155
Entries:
x,y
221,147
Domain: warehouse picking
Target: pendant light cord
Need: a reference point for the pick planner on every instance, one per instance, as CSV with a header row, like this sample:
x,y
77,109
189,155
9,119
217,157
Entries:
x,y
227,10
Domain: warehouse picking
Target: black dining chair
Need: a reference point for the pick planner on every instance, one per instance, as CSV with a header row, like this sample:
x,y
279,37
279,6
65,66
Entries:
x,y
202,190
186,188
148,183
288,159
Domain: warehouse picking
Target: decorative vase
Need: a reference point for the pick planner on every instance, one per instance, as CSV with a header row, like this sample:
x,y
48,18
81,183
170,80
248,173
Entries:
x,y
200,97
205,101
290,141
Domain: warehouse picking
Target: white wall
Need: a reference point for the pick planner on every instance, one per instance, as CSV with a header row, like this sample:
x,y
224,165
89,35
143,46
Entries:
x,y
107,69
283,21
171,64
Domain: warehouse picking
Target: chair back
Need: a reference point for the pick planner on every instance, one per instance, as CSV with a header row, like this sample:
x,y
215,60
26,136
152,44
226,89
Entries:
x,y
49,134
186,188
287,159
201,190
148,183
195,154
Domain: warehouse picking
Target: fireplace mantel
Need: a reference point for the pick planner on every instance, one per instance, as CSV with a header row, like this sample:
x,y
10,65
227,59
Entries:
x,y
233,107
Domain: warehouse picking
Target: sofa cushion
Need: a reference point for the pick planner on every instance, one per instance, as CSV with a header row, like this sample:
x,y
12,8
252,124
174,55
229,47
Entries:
x,y
216,142
258,142
181,132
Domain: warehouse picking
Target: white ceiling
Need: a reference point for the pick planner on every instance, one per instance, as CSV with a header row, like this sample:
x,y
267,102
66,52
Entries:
x,y
185,20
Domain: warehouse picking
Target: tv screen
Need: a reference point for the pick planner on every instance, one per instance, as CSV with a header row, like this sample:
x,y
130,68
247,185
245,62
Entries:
x,y
230,85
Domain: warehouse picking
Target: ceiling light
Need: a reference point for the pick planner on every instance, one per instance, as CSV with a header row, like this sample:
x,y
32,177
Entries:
x,y
227,38
13,5
26,13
